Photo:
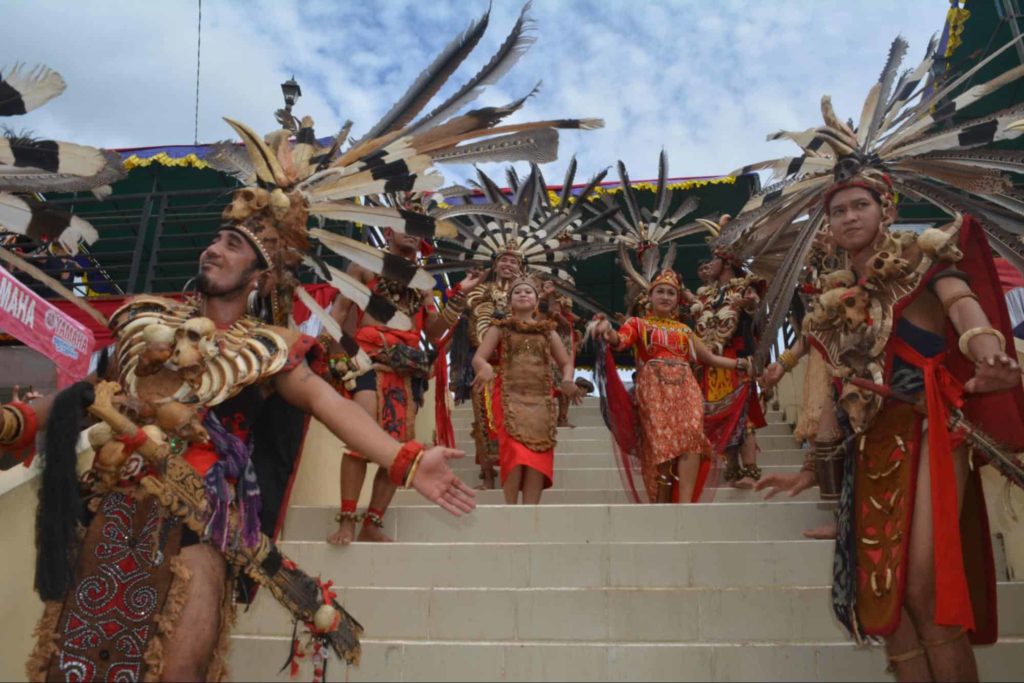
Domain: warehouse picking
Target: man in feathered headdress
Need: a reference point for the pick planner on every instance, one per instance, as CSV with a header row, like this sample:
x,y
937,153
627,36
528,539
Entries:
x,y
196,372
484,304
914,327
393,390
195,375
722,312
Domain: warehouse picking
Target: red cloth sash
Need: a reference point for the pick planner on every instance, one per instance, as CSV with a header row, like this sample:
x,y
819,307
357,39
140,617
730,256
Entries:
x,y
952,597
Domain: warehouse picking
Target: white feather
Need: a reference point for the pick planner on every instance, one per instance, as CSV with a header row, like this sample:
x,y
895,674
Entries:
x,y
36,86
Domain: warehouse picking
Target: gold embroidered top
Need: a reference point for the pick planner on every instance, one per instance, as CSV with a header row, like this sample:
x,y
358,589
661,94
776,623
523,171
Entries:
x,y
483,302
716,314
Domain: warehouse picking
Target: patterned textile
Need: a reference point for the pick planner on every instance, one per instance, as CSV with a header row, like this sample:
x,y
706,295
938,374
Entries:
x,y
671,417
122,580
523,406
513,453
732,397
844,562
396,408
886,466
527,391
667,402
484,436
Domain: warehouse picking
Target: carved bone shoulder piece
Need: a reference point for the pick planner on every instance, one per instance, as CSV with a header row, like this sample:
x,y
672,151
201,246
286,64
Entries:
x,y
854,322
203,365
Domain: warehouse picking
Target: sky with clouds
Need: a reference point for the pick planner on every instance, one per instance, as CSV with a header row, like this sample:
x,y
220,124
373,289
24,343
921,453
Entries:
x,y
705,79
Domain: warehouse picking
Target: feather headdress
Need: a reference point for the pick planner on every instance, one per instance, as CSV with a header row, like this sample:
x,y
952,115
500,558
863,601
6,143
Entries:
x,y
527,224
344,180
524,221
29,166
632,230
906,141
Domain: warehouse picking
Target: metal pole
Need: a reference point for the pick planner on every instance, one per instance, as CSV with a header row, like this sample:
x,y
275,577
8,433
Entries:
x,y
1010,8
140,240
157,236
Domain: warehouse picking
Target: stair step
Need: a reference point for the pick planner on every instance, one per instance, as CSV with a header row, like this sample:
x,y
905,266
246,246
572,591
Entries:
x,y
570,455
464,434
603,443
724,564
606,477
259,658
707,615
581,523
617,496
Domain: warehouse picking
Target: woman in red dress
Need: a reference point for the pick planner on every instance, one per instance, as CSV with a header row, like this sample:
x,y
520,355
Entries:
x,y
674,453
524,406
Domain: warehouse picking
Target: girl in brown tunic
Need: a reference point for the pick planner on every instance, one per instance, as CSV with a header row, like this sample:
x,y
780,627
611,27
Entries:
x,y
525,405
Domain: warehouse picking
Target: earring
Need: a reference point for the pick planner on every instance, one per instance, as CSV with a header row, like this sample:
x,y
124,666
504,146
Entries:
x,y
253,304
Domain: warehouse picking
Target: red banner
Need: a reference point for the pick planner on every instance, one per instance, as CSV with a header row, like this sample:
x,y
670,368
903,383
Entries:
x,y
40,325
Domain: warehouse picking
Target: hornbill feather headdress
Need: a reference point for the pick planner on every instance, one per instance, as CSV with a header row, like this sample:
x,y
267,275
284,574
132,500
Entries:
x,y
906,141
341,181
29,165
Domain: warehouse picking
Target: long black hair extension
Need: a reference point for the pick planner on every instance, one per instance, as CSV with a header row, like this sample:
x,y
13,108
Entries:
x,y
60,504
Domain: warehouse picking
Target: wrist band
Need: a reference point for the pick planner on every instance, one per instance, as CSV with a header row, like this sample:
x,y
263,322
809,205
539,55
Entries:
x,y
788,360
399,470
970,334
948,305
19,425
453,309
412,470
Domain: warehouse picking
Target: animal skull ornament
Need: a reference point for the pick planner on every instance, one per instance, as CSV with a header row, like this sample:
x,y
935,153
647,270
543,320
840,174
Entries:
x,y
887,265
855,309
837,278
860,406
826,311
847,167
182,421
194,345
939,244
700,325
727,320
246,202
159,346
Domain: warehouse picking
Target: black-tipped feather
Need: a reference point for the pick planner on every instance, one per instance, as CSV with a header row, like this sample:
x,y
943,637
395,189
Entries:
x,y
431,79
516,44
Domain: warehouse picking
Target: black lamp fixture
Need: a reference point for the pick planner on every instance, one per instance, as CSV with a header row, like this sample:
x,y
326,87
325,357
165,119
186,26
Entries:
x,y
291,91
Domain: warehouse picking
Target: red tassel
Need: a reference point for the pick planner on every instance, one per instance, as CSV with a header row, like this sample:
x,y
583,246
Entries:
x,y
445,434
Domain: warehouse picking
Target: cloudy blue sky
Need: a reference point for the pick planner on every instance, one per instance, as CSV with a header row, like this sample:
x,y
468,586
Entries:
x,y
705,79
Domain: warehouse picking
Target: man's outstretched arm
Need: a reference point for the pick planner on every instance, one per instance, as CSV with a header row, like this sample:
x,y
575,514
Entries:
x,y
346,420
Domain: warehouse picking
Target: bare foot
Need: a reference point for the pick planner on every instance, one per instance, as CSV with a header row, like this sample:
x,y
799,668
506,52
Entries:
x,y
488,480
345,534
744,483
566,423
825,532
371,533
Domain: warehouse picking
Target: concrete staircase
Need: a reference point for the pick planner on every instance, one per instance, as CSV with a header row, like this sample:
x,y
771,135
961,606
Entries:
x,y
588,587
